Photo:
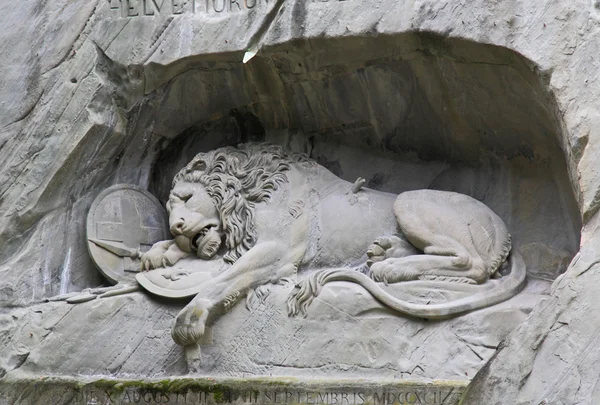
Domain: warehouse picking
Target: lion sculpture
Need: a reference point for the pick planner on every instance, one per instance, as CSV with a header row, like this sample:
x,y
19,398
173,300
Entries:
x,y
269,214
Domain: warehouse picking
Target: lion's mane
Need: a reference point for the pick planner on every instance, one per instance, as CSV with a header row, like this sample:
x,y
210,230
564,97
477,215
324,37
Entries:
x,y
237,179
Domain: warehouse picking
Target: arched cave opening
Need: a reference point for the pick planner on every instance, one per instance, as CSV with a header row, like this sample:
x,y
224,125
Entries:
x,y
404,112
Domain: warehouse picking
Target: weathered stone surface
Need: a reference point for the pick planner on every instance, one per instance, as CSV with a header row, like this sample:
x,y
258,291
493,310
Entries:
x,y
177,391
346,334
125,336
243,218
553,357
480,97
399,98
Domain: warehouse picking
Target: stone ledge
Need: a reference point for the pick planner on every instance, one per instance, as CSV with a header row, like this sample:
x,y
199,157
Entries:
x,y
51,390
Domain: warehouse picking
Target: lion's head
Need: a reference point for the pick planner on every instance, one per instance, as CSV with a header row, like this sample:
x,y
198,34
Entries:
x,y
213,198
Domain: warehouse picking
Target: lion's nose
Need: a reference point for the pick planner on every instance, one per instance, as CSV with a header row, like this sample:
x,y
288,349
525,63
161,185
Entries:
x,y
177,227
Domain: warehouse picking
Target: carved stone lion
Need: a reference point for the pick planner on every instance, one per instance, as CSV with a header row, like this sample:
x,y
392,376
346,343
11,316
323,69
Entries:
x,y
269,214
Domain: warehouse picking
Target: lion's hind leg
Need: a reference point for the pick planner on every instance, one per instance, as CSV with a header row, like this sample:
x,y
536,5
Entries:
x,y
443,257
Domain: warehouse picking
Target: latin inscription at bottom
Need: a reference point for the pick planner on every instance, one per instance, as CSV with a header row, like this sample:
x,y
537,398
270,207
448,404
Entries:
x,y
132,395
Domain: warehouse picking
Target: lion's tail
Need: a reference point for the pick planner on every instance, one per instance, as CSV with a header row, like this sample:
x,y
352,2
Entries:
x,y
508,286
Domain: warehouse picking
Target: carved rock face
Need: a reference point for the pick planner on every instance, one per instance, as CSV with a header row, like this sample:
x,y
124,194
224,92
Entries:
x,y
88,101
194,220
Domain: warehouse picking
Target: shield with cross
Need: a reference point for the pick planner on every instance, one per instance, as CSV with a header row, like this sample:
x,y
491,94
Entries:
x,y
123,222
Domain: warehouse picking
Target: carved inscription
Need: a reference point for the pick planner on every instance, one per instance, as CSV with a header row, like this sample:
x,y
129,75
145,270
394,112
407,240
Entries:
x,y
133,395
152,8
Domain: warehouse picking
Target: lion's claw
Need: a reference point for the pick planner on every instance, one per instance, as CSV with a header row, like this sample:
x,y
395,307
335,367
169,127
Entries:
x,y
154,259
161,255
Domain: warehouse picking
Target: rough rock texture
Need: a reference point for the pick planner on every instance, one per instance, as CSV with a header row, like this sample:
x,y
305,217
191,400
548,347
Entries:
x,y
434,111
346,334
128,336
492,98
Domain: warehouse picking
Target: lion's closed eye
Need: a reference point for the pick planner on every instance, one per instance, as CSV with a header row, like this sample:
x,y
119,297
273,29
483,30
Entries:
x,y
183,198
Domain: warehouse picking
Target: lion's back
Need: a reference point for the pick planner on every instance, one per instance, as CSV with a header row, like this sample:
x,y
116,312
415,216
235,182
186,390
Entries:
x,y
340,224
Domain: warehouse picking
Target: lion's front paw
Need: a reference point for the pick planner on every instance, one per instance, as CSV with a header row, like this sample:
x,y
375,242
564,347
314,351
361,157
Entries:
x,y
190,323
154,259
386,247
